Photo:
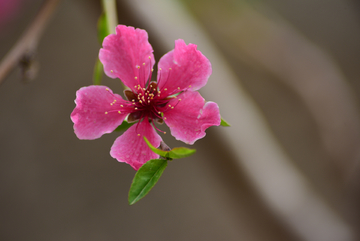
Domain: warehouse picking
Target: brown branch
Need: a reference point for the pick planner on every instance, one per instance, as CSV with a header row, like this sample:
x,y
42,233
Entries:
x,y
29,40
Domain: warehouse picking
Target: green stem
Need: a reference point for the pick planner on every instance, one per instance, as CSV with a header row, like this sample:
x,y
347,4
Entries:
x,y
109,7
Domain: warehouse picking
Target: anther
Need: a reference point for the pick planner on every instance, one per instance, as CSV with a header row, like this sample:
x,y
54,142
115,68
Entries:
x,y
159,68
106,112
111,71
149,57
164,132
107,89
178,88
119,112
169,105
165,89
135,77
169,68
143,63
189,86
138,134
121,105
135,108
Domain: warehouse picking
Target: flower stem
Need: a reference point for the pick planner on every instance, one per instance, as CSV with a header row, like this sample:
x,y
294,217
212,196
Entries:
x,y
109,7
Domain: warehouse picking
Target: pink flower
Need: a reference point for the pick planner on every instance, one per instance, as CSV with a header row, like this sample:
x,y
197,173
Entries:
x,y
173,99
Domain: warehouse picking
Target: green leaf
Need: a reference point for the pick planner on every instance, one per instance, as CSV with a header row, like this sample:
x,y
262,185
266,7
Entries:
x,y
145,179
181,152
102,27
224,122
154,149
176,153
124,126
98,72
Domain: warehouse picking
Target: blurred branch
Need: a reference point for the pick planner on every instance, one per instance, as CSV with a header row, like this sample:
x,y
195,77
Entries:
x,y
28,42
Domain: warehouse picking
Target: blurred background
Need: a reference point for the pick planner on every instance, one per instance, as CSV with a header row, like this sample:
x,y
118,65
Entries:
x,y
285,75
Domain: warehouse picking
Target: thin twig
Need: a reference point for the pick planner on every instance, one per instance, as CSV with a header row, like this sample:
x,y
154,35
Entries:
x,y
29,40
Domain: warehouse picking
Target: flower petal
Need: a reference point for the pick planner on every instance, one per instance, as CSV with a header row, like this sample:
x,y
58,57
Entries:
x,y
190,69
90,120
191,116
124,54
131,147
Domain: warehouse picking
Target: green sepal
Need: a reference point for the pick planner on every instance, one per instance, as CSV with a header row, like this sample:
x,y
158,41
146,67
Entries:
x,y
145,179
98,72
224,122
124,126
102,27
175,153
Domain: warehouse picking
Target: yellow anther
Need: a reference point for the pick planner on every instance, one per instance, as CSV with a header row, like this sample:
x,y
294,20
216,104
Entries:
x,y
172,107
149,57
135,108
164,132
114,100
107,89
106,112
165,89
152,70
148,101
135,77
189,86
140,101
111,71
159,112
144,89
119,112
111,103
179,99
138,134
164,118
178,88
159,68
169,105
154,89
138,67
143,63
121,105
169,68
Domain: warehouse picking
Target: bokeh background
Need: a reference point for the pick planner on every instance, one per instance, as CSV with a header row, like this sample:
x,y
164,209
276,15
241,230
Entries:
x,y
285,75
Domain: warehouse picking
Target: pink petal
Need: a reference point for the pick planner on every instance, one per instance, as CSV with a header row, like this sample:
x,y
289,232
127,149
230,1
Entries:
x,y
124,53
191,116
190,69
90,120
131,147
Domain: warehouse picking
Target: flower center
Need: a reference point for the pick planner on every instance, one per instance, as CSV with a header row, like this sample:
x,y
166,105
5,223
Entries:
x,y
147,102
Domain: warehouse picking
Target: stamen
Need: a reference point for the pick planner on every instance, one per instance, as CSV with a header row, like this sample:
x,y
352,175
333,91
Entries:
x,y
119,112
106,112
